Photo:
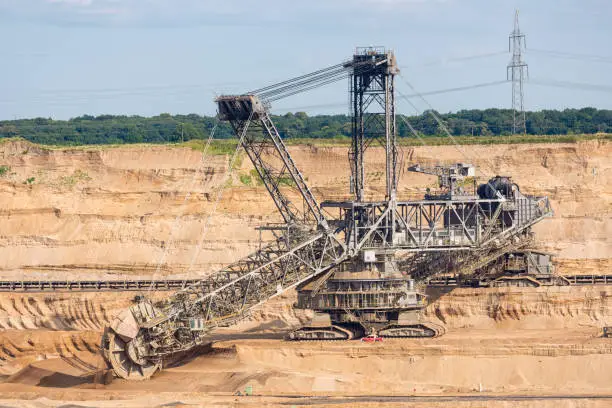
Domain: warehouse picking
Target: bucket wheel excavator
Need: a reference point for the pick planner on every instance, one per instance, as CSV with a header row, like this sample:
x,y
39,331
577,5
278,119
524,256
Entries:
x,y
347,267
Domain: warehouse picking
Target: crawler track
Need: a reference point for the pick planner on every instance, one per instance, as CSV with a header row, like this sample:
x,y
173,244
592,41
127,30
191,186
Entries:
x,y
417,330
333,333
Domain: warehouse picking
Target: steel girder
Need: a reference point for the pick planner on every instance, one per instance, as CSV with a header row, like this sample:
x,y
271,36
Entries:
x,y
277,170
373,115
227,295
437,225
285,263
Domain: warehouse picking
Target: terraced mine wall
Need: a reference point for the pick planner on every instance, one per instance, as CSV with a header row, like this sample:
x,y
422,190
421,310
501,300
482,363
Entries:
x,y
138,212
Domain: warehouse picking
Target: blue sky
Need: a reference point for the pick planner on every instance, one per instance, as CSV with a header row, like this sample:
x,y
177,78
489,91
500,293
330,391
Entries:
x,y
64,58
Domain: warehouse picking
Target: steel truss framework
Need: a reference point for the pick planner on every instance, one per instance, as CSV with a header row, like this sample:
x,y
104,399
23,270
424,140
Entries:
x,y
373,115
423,265
228,294
437,225
309,246
297,256
259,137
283,264
95,285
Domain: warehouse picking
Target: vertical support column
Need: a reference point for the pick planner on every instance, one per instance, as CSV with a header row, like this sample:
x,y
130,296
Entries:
x,y
373,122
390,137
357,147
373,111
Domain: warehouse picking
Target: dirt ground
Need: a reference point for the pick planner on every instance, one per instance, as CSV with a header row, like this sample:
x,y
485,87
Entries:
x,y
466,367
140,211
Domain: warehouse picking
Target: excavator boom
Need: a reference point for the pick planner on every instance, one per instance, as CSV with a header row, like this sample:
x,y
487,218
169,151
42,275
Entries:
x,y
141,337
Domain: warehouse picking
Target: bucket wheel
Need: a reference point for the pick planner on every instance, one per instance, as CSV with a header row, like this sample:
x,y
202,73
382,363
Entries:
x,y
125,357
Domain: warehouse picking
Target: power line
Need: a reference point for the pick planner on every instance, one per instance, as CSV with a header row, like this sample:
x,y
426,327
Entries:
x,y
436,92
72,100
456,89
444,61
569,55
571,85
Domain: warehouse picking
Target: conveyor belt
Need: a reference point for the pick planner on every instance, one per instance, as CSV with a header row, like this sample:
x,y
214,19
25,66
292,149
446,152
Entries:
x,y
573,279
175,284
589,279
94,285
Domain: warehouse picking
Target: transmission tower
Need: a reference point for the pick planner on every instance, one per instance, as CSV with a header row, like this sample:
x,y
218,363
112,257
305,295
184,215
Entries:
x,y
517,72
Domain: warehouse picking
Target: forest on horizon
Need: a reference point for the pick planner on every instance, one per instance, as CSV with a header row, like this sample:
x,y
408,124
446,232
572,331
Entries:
x,y
167,128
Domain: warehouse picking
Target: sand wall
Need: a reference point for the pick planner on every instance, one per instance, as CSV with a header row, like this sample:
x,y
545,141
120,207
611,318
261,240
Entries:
x,y
141,211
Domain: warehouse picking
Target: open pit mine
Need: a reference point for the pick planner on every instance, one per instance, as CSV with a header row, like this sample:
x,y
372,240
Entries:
x,y
421,275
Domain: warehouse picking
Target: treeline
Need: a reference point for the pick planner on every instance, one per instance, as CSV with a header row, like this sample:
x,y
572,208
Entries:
x,y
164,128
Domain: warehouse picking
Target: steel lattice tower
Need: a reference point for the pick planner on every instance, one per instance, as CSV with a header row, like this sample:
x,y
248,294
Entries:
x,y
517,71
373,114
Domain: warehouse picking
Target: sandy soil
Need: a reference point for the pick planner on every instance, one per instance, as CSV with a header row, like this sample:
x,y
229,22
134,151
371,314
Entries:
x,y
566,366
139,211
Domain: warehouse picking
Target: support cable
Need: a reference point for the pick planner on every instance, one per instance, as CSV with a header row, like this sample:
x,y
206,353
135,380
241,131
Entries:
x,y
296,85
440,121
220,191
419,136
290,88
445,129
177,219
450,136
293,80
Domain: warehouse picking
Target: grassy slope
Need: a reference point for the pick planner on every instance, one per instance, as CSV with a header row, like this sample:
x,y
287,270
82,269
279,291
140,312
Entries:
x,y
228,146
